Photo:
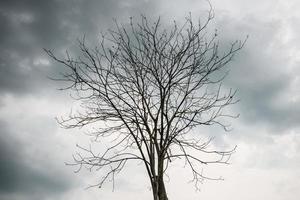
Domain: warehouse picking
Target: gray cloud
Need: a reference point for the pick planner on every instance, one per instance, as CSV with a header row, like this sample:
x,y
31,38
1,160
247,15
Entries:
x,y
29,26
263,73
20,175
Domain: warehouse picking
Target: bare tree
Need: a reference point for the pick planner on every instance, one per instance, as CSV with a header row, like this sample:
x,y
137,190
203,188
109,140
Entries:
x,y
147,87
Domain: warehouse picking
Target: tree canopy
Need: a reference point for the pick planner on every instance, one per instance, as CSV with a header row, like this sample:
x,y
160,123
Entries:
x,y
146,87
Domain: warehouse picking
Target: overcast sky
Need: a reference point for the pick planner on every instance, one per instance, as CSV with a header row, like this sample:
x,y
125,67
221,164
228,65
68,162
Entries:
x,y
33,148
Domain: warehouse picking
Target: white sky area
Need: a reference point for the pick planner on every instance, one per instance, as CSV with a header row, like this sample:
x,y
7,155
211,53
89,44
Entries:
x,y
266,72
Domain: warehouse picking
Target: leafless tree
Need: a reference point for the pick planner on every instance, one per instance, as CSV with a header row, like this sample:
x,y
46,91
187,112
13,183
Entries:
x,y
147,87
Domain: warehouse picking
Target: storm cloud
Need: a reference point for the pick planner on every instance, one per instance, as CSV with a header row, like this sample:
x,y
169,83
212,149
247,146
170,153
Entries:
x,y
20,176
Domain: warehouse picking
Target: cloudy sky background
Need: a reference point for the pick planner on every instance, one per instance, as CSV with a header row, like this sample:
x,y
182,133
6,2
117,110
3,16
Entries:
x,y
266,73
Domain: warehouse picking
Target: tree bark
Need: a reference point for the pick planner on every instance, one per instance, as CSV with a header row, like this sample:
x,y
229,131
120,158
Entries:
x,y
154,190
159,186
159,190
162,194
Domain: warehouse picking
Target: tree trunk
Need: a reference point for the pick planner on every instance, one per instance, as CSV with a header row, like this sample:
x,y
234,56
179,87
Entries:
x,y
162,194
159,190
154,190
158,185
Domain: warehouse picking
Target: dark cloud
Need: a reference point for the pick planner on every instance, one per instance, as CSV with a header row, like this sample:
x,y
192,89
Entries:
x,y
31,25
263,74
20,174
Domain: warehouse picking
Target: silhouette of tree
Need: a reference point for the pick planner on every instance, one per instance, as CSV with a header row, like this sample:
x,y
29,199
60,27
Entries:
x,y
147,87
